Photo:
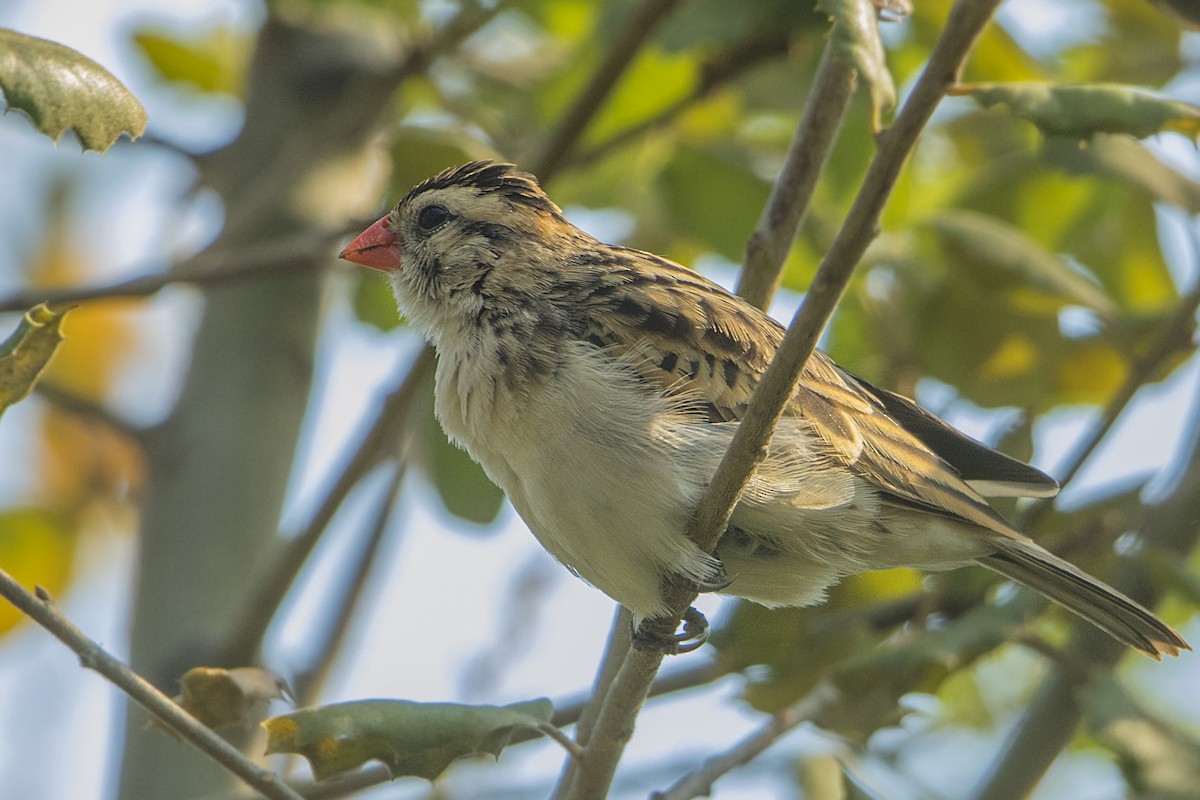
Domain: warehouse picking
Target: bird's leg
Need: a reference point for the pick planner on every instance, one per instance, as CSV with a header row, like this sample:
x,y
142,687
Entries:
x,y
658,634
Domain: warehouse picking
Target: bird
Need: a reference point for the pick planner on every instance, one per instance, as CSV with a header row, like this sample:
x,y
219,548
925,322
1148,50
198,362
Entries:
x,y
599,386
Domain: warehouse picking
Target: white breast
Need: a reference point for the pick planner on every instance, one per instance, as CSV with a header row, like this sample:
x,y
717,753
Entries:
x,y
587,460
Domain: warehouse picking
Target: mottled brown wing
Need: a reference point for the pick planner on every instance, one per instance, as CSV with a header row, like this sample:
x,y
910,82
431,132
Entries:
x,y
692,338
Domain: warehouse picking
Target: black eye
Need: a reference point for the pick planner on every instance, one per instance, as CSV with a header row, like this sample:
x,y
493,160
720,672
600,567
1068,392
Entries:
x,y
431,217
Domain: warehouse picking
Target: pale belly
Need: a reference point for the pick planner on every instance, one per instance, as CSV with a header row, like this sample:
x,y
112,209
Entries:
x,y
605,476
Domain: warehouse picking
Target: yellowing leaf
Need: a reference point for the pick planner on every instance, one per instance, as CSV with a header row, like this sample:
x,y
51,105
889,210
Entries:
x,y
222,697
61,89
26,353
1082,110
410,738
214,61
1016,355
36,547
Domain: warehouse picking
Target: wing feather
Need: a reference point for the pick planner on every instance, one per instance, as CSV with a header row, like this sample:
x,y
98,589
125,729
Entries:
x,y
695,339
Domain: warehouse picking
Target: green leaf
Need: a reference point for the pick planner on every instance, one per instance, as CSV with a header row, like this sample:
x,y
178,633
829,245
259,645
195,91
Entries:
x,y
714,200
1080,111
26,353
1130,162
60,89
856,40
990,241
214,61
463,486
420,739
373,301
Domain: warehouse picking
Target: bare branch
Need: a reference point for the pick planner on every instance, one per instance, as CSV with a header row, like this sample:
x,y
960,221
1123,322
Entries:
x,y
621,52
92,656
615,725
209,268
811,145
381,436
700,782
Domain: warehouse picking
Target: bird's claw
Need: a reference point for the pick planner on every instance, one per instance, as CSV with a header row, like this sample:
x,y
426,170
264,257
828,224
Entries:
x,y
653,634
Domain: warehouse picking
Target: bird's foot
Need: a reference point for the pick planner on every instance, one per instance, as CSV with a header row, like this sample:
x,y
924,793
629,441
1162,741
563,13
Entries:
x,y
658,634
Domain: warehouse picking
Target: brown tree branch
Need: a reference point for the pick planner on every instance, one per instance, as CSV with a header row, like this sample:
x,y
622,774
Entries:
x,y
620,54
92,656
615,724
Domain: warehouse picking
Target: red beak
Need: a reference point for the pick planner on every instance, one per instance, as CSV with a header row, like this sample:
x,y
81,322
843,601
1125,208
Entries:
x,y
376,247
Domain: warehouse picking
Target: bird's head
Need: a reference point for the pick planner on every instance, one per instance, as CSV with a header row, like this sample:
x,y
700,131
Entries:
x,y
469,236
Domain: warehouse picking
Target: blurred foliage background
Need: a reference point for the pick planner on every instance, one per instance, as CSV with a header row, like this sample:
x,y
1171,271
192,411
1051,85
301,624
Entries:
x,y
179,455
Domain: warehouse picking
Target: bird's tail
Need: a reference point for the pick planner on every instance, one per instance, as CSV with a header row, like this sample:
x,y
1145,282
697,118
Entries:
x,y
1112,612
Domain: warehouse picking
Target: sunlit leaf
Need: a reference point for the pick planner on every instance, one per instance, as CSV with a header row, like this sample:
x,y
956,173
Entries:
x,y
212,61
420,739
654,81
61,89
1080,111
25,354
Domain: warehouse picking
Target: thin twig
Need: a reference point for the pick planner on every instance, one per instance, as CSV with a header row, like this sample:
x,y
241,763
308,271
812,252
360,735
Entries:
x,y
615,725
807,155
209,268
347,596
378,439
92,656
555,733
620,54
700,782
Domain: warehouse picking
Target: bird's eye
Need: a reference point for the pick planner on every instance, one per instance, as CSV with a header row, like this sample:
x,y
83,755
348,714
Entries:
x,y
431,217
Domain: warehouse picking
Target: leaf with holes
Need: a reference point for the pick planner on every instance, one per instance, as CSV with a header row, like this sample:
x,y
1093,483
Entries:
x,y
1080,111
61,89
420,739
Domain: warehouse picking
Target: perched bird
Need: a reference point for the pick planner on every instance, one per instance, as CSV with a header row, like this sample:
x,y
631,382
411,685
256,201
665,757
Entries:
x,y
599,386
